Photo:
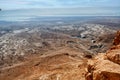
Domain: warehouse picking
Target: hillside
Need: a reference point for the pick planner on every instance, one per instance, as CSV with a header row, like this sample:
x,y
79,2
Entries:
x,y
59,52
66,63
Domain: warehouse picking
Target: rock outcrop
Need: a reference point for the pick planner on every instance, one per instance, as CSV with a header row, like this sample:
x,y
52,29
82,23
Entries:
x,y
117,38
114,54
106,66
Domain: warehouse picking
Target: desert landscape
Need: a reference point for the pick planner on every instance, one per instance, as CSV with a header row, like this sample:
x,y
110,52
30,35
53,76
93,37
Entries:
x,y
65,49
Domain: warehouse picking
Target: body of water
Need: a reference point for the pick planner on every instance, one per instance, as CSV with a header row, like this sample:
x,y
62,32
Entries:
x,y
40,14
18,15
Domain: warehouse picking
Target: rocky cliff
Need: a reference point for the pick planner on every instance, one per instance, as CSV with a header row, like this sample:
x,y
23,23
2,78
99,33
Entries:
x,y
106,66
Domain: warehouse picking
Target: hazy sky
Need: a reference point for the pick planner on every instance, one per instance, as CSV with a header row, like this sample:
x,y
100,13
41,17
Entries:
x,y
107,7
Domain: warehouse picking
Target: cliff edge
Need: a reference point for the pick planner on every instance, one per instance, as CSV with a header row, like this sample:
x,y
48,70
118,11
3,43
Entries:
x,y
106,66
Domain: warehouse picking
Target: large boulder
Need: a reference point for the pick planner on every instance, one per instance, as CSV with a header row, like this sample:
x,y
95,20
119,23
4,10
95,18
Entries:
x,y
103,70
106,70
114,54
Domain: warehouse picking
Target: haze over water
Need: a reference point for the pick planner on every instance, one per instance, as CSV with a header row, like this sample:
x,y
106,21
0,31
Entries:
x,y
25,10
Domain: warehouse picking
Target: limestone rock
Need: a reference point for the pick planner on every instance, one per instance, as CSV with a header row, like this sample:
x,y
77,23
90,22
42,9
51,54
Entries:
x,y
117,38
105,66
106,70
114,54
103,70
